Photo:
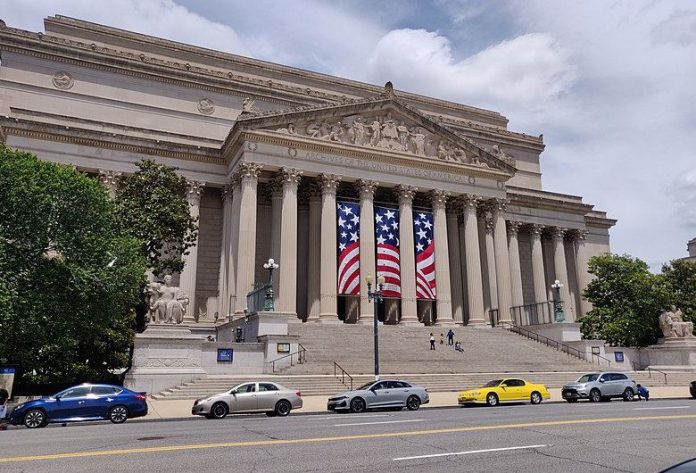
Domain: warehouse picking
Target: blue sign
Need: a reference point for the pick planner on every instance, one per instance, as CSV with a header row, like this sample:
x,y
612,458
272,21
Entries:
x,y
619,356
8,370
225,355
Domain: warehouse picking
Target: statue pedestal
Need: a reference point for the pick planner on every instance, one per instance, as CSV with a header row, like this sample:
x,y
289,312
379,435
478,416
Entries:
x,y
673,354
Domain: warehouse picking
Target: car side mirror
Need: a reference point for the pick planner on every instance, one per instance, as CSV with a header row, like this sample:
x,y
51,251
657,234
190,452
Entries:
x,y
601,380
57,398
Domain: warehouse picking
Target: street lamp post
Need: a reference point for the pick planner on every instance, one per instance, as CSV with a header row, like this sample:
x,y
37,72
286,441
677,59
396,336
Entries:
x,y
377,297
270,265
558,314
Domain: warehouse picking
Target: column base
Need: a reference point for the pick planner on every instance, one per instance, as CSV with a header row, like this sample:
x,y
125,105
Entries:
x,y
366,320
410,322
478,322
445,323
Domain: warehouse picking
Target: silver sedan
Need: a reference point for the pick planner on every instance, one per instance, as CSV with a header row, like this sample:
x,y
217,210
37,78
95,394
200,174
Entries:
x,y
268,397
380,394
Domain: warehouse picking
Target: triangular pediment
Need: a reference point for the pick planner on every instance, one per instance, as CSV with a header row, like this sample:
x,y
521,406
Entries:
x,y
381,123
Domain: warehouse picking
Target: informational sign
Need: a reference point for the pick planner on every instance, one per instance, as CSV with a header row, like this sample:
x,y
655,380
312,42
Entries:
x,y
283,347
225,355
7,377
619,356
595,350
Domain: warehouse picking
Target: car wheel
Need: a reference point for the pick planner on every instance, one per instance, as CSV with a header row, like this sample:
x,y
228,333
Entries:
x,y
535,398
628,395
283,408
413,403
572,400
219,410
35,418
118,414
492,399
357,405
595,395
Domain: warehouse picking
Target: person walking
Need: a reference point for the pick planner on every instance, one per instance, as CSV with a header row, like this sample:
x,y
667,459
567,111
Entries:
x,y
442,338
450,337
432,341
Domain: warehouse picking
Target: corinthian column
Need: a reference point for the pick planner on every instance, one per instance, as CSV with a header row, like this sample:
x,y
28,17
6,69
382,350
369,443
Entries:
x,y
455,263
276,187
246,233
328,286
234,244
489,224
287,291
502,262
474,280
581,268
187,278
515,268
409,309
110,180
540,292
367,190
560,269
443,288
314,254
223,305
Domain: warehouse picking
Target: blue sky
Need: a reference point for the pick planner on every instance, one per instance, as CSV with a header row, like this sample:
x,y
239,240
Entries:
x,y
610,84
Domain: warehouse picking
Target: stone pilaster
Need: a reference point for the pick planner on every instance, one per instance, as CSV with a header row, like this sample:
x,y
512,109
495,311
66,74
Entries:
x,y
314,255
328,286
443,285
462,258
223,305
490,257
515,267
581,268
561,269
455,263
287,290
502,261
110,180
474,280
187,278
540,290
367,190
409,309
232,258
246,233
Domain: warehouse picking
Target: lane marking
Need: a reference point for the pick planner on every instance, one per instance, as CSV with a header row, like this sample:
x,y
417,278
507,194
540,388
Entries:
x,y
336,416
341,438
377,423
470,452
660,408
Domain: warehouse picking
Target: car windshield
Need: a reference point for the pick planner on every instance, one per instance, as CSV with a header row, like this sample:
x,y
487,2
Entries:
x,y
365,386
588,378
491,384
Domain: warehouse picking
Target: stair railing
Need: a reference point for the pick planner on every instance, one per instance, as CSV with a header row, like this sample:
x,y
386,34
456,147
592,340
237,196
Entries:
x,y
650,370
297,357
343,375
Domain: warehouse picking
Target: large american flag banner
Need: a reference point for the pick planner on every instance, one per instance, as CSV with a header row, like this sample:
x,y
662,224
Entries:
x,y
388,255
425,255
348,248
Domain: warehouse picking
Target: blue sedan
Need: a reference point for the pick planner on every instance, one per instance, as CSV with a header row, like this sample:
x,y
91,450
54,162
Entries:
x,y
79,403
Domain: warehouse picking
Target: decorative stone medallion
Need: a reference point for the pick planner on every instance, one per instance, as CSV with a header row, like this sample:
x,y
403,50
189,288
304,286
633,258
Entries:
x,y
251,146
206,106
62,80
292,152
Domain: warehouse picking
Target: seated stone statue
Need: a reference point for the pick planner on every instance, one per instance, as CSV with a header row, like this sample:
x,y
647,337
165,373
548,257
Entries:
x,y
673,325
171,303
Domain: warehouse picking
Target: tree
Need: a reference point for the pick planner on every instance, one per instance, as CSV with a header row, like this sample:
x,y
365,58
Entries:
x,y
69,278
627,300
151,207
680,277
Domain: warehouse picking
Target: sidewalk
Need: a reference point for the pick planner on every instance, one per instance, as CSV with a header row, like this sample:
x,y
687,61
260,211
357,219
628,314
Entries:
x,y
179,409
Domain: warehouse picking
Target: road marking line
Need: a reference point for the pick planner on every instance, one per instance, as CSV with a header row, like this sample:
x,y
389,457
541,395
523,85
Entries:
x,y
341,438
470,452
377,423
335,416
660,408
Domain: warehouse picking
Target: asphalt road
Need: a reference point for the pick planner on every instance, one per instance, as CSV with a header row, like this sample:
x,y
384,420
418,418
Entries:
x,y
582,437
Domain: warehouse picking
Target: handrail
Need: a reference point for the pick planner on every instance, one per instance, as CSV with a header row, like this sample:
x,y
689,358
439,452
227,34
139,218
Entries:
x,y
301,354
650,370
553,343
344,373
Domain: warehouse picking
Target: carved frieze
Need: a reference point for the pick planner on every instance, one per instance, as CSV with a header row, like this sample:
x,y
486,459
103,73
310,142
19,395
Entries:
x,y
62,80
206,106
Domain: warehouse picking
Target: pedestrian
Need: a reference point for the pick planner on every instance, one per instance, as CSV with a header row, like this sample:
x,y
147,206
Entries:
x,y
643,392
458,347
442,338
432,341
450,337
4,397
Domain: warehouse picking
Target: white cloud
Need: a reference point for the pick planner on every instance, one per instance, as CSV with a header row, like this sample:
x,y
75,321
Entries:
x,y
679,28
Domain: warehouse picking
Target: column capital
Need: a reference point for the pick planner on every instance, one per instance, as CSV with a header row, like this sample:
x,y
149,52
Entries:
x,y
248,171
513,227
581,235
313,189
366,188
193,192
557,233
329,183
498,205
110,178
290,176
536,230
226,192
470,201
406,193
439,198
489,220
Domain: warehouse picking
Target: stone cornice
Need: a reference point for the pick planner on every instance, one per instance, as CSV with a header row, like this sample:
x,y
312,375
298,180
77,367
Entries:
x,y
541,201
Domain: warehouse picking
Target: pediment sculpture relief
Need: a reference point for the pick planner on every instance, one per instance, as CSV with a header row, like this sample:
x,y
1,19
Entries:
x,y
385,132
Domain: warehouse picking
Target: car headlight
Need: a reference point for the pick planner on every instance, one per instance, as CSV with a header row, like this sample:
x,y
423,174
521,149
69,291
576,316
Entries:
x,y
339,398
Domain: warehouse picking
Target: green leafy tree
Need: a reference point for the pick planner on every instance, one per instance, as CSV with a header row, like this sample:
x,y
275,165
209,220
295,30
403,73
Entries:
x,y
151,206
680,277
69,278
627,300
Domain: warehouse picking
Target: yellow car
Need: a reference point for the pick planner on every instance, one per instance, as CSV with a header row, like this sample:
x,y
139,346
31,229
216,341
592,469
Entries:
x,y
504,390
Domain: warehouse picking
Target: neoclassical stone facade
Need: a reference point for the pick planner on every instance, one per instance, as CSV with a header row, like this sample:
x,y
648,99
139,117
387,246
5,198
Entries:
x,y
269,150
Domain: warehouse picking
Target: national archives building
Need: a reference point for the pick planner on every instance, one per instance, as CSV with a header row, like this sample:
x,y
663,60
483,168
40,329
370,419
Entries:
x,y
334,179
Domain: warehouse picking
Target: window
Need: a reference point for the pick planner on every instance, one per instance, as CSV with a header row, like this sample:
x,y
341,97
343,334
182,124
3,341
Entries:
x,y
588,378
492,384
515,383
382,385
399,385
105,390
618,377
246,388
71,393
267,387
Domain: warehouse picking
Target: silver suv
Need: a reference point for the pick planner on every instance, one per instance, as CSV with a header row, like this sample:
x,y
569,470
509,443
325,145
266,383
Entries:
x,y
599,387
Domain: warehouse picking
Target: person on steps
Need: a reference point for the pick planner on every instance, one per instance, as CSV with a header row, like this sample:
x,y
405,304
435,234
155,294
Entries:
x,y
432,341
458,347
450,337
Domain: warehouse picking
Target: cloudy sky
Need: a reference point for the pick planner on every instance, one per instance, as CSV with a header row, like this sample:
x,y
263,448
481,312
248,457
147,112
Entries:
x,y
610,84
